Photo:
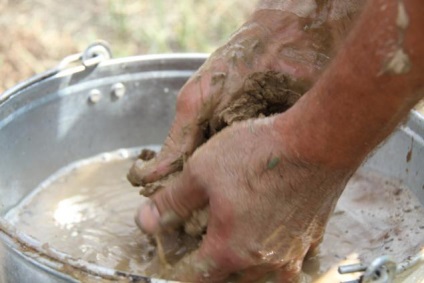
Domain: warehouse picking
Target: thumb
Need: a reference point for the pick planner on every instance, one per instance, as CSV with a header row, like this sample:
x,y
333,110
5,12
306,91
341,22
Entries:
x,y
170,206
184,136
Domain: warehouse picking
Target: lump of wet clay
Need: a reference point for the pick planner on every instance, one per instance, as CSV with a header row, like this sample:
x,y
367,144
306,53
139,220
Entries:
x,y
147,154
262,94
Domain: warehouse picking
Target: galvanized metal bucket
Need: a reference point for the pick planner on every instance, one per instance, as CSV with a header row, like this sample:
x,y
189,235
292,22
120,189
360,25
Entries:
x,y
101,104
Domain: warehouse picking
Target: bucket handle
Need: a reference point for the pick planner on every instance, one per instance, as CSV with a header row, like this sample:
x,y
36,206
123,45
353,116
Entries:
x,y
94,54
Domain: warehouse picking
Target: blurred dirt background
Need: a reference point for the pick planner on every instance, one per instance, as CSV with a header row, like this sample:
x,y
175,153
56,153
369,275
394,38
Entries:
x,y
37,34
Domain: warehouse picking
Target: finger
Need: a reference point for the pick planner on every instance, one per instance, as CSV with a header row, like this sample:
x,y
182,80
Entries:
x,y
171,205
185,135
151,188
216,259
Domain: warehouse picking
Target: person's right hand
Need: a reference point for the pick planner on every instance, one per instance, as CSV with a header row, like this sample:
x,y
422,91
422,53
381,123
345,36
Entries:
x,y
268,204
264,68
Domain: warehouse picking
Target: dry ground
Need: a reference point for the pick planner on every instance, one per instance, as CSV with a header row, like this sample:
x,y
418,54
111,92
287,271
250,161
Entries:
x,y
36,34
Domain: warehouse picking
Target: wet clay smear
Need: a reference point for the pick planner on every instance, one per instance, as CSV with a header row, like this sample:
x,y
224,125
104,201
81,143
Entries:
x,y
262,94
87,210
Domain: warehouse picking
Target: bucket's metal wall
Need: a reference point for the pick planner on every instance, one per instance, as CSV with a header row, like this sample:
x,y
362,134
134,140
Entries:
x,y
401,157
54,123
20,269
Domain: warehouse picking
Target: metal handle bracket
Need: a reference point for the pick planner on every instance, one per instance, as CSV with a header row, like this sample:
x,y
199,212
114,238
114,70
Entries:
x,y
93,55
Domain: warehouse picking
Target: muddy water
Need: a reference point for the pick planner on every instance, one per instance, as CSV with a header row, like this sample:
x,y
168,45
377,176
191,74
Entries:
x,y
86,210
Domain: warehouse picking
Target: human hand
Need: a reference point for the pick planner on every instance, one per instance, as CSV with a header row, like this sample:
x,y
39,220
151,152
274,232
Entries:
x,y
263,69
268,204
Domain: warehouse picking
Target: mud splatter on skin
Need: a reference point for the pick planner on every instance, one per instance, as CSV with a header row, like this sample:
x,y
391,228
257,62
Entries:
x,y
218,77
273,162
399,62
402,20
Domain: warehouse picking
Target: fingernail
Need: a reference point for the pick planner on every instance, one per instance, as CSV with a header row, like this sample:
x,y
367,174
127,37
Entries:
x,y
148,218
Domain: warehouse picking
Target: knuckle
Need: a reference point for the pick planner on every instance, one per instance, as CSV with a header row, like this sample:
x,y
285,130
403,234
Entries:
x,y
186,100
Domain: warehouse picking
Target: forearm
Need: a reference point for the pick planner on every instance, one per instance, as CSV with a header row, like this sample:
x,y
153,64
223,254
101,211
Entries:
x,y
376,78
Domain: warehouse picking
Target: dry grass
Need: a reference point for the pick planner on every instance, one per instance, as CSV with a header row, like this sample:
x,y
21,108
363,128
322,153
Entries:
x,y
36,34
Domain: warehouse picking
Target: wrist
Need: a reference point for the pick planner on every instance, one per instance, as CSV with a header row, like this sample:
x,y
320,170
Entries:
x,y
306,138
338,124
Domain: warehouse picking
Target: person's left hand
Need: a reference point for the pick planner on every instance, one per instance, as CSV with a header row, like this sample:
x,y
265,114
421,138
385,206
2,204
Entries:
x,y
263,69
268,204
